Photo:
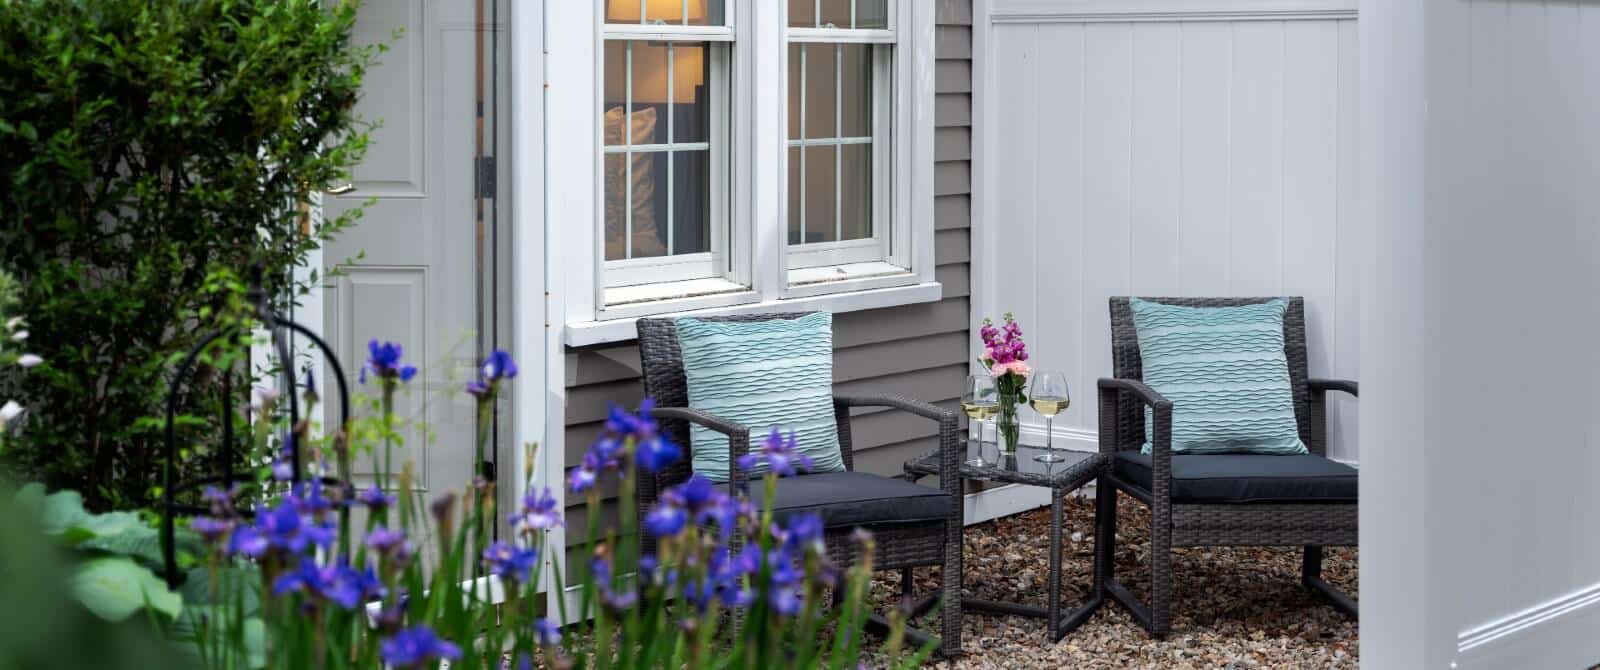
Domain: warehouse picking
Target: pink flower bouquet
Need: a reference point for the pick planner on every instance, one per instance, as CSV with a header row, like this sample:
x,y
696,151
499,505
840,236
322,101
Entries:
x,y
1005,356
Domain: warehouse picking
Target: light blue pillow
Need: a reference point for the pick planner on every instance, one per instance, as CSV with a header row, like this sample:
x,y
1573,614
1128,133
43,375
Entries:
x,y
761,374
1224,370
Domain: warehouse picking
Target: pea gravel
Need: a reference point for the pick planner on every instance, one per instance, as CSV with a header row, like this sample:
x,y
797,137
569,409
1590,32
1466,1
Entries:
x,y
1233,608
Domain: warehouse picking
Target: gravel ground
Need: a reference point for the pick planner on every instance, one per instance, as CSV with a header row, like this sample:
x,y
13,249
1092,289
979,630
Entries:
x,y
1234,608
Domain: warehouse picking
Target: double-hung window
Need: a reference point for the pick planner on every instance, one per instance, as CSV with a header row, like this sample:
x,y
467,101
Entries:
x,y
665,142
840,170
750,154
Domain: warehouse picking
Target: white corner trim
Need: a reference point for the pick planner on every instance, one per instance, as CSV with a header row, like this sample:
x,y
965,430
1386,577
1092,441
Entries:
x,y
1555,633
1094,11
1001,501
584,333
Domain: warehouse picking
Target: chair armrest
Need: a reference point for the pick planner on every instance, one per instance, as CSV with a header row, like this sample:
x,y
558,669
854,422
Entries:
x,y
1325,385
951,449
1139,389
1160,441
738,437
917,407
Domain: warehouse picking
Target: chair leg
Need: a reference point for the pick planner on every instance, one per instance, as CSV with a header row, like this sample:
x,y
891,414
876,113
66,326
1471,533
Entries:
x,y
908,590
1311,577
950,581
1160,577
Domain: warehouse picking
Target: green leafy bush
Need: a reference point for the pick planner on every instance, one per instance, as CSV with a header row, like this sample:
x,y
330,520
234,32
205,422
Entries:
x,y
143,146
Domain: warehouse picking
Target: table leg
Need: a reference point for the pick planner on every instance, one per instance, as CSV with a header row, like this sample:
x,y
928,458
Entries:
x,y
1053,597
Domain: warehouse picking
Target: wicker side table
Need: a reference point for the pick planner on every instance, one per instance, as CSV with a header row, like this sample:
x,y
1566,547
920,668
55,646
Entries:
x,y
1062,479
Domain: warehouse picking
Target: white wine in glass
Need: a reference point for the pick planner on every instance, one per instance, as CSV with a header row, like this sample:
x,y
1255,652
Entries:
x,y
1049,397
981,402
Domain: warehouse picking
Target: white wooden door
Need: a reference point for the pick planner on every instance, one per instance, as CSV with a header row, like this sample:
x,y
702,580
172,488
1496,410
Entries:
x,y
418,267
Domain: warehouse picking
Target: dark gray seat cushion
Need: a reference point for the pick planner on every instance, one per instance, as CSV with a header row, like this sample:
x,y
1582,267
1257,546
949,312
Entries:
x,y
1246,478
855,499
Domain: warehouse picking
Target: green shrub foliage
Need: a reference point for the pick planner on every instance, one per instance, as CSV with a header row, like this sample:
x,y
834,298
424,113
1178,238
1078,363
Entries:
x,y
144,146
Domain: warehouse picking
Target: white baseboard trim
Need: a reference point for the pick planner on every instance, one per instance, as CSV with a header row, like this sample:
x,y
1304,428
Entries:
x,y
1558,633
991,504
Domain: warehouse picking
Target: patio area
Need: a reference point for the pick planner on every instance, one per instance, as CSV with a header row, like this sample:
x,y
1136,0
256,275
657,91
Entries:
x,y
1234,607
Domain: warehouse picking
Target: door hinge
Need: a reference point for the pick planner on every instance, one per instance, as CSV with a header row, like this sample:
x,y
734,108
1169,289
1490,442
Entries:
x,y
484,176
488,470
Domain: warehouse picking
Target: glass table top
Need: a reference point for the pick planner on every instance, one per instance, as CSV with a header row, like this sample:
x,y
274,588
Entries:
x,y
1020,467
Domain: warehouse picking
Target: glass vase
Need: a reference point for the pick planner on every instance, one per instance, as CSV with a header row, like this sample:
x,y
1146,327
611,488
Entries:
x,y
1007,427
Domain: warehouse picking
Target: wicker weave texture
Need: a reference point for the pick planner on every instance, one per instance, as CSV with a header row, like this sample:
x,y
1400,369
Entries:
x,y
1123,400
898,545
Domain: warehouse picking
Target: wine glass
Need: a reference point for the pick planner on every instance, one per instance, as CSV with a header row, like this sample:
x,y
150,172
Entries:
x,y
1049,397
981,401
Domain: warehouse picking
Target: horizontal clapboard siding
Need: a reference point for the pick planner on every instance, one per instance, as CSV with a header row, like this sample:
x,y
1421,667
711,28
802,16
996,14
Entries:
x,y
919,350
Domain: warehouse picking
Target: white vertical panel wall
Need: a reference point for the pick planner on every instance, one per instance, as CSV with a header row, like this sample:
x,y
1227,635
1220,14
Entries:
x,y
1484,191
1131,149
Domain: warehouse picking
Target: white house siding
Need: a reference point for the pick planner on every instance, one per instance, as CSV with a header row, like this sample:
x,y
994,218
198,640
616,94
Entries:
x,y
1205,153
918,351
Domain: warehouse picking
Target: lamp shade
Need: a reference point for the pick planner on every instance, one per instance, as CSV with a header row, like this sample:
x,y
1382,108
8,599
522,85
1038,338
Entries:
x,y
667,11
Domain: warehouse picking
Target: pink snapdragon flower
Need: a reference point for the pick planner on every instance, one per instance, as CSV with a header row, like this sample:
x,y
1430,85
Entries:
x,y
1003,348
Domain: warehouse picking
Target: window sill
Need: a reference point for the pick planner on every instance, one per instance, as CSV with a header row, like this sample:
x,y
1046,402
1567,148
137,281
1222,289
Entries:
x,y
621,328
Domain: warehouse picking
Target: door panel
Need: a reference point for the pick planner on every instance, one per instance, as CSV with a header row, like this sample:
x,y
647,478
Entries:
x,y
407,271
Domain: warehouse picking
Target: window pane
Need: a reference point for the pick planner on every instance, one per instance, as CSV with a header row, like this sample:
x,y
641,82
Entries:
x,y
649,194
649,109
818,196
836,12
616,206
691,96
794,90
802,13
872,13
615,93
855,207
706,12
819,90
794,195
856,90
691,205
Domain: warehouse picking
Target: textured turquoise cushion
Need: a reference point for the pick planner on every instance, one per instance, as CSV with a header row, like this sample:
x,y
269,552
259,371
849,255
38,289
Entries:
x,y
762,374
1224,370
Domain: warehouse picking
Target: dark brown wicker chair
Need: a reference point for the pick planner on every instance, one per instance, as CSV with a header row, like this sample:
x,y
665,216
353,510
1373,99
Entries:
x,y
1315,507
901,543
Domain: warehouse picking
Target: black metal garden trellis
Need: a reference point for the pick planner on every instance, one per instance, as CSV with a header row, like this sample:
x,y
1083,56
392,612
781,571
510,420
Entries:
x,y
279,328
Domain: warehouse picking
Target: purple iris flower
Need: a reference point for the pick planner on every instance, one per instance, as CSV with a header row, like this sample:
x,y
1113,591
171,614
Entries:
x,y
656,453
780,455
782,591
384,540
211,529
546,632
804,533
666,519
375,499
247,541
510,562
285,529
383,360
308,499
540,511
623,424
221,501
499,365
339,584
416,646
583,477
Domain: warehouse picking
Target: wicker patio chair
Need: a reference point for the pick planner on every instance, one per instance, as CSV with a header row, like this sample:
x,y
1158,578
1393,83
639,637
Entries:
x,y
1219,500
912,525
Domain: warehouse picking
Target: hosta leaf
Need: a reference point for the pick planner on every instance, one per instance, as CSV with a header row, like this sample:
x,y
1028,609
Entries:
x,y
114,588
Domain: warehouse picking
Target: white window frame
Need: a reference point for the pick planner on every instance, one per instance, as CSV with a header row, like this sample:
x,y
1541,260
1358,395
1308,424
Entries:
x,y
840,256
761,279
717,262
